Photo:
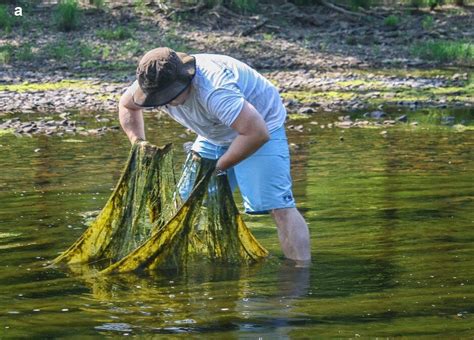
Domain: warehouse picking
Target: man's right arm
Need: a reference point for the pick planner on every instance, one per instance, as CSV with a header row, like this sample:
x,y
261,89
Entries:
x,y
131,118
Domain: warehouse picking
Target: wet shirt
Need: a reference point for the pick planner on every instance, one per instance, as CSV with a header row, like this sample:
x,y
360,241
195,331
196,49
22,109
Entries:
x,y
220,86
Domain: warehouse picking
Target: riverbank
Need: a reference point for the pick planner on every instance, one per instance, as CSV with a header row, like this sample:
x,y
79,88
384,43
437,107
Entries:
x,y
321,62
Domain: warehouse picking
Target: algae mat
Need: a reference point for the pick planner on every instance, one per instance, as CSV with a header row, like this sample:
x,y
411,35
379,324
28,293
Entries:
x,y
146,226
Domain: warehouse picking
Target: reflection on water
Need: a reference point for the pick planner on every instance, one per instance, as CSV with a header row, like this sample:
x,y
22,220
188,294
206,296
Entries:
x,y
390,216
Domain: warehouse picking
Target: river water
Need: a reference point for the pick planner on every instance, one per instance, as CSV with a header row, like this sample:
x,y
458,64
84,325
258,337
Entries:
x,y
391,221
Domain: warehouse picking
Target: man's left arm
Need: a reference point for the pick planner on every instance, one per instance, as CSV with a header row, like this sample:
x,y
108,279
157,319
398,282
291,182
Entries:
x,y
252,134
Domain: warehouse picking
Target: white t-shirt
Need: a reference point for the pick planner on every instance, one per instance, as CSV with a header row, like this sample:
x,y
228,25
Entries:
x,y
220,86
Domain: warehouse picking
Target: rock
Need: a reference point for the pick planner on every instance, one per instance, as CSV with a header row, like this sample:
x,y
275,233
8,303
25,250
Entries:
x,y
375,114
306,110
402,118
294,146
344,124
448,120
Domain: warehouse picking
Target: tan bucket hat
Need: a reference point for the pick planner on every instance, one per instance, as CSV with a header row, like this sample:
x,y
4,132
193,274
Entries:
x,y
163,75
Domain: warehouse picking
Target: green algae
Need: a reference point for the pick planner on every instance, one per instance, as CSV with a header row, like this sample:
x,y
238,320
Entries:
x,y
4,132
146,226
376,92
48,86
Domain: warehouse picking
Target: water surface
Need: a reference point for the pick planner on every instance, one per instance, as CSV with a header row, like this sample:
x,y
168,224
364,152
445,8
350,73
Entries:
x,y
391,220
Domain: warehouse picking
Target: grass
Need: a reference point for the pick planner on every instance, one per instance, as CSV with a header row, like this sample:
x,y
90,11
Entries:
x,y
99,4
391,21
24,53
244,6
63,51
175,42
6,53
120,33
355,4
428,23
67,15
59,51
6,19
445,51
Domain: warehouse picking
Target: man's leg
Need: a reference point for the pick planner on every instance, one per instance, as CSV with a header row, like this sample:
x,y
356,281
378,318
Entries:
x,y
293,234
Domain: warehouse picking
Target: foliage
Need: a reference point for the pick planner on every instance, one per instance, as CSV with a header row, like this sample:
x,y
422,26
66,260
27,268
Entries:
x,y
59,51
140,6
417,3
433,3
428,23
268,36
174,41
121,33
6,52
67,15
392,21
63,51
6,20
445,51
99,4
360,3
131,48
24,53
244,6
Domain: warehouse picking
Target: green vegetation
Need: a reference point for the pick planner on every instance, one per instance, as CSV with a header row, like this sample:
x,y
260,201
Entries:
x,y
140,6
172,40
268,36
99,4
67,15
244,6
6,53
356,4
6,20
118,66
59,51
433,3
376,93
445,51
391,21
428,23
131,48
63,51
24,53
65,84
121,33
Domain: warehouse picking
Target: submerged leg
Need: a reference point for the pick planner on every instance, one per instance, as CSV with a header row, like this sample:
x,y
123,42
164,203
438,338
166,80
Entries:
x,y
293,234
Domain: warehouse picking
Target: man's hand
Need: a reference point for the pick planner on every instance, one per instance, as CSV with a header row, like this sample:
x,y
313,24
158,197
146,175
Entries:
x,y
253,133
131,118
